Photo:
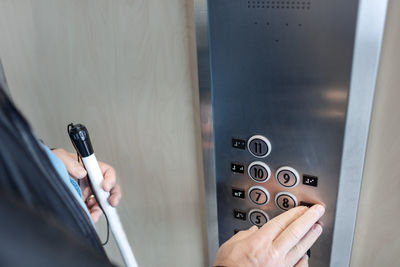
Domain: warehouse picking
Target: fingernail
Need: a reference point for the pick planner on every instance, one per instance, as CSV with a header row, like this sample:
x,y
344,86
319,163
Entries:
x,y
305,257
320,209
317,228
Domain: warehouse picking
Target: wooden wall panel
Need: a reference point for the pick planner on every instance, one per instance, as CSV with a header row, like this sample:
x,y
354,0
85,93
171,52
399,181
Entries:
x,y
126,70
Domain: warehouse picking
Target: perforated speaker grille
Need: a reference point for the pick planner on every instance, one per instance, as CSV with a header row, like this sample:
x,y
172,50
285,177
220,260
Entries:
x,y
294,5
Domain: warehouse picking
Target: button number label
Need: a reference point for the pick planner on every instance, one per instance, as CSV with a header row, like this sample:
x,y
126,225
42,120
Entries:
x,y
238,143
258,147
310,180
240,215
258,217
237,168
285,200
259,171
258,195
238,193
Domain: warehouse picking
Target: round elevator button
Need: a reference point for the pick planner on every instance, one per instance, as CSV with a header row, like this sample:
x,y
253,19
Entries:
x,y
259,171
258,195
285,200
259,146
287,176
258,217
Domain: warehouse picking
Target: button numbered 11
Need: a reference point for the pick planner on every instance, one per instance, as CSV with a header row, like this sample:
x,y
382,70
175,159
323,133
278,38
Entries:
x,y
259,146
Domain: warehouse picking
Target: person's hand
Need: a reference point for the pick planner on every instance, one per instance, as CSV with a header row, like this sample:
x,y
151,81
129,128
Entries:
x,y
283,241
76,170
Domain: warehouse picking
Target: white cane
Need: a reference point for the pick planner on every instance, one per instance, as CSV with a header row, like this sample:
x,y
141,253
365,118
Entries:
x,y
81,141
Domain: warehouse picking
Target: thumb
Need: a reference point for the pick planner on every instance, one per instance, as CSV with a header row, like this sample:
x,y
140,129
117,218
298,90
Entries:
x,y
74,168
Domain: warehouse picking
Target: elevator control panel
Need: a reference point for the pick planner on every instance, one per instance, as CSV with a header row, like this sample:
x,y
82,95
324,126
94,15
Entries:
x,y
280,77
259,173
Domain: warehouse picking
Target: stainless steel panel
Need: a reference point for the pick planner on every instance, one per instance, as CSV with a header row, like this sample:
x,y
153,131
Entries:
x,y
370,29
283,73
283,69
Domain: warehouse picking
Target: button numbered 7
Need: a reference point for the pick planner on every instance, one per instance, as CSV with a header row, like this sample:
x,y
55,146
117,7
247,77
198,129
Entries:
x,y
258,195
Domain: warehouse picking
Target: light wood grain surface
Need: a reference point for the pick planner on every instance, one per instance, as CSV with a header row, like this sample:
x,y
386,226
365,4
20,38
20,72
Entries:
x,y
125,69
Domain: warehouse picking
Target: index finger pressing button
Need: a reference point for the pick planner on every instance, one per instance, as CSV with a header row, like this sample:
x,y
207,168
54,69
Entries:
x,y
297,229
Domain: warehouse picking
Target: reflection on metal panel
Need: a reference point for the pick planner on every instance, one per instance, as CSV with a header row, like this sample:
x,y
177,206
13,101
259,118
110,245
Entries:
x,y
275,110
369,35
201,21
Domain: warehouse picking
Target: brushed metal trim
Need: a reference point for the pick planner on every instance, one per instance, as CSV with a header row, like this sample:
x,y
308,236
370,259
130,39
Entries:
x,y
368,42
204,79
